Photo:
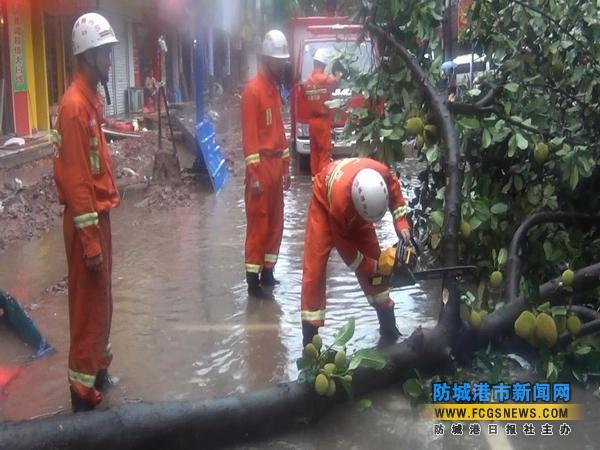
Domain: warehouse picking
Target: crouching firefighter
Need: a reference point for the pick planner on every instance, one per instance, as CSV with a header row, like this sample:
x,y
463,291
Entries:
x,y
349,195
86,186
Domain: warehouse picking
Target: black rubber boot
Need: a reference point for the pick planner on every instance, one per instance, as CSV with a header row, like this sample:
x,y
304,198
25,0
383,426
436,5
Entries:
x,y
254,288
80,405
308,331
267,278
104,380
387,325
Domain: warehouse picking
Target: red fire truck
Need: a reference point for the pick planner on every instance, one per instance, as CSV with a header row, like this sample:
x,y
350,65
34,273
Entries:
x,y
307,34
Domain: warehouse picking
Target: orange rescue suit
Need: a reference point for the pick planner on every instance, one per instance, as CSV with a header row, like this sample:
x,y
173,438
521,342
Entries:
x,y
267,159
317,89
333,222
86,185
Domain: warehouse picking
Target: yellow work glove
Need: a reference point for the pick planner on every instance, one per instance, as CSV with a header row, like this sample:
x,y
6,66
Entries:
x,y
385,265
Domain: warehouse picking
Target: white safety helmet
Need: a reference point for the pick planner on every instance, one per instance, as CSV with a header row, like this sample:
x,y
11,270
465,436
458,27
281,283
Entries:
x,y
370,195
322,55
91,31
275,45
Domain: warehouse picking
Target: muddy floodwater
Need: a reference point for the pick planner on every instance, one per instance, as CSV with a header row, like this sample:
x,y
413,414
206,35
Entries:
x,y
184,328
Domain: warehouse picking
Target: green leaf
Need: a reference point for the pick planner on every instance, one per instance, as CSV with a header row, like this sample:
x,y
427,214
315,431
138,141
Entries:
x,y
511,87
363,404
574,177
583,350
345,334
502,256
469,123
486,139
367,358
499,208
438,218
304,363
385,132
432,154
521,141
412,387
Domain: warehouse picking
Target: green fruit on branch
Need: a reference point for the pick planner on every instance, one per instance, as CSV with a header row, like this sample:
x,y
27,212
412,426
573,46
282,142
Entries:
x,y
496,278
310,351
331,389
317,342
321,384
525,325
567,277
414,126
545,329
340,359
540,153
475,319
465,228
329,368
574,325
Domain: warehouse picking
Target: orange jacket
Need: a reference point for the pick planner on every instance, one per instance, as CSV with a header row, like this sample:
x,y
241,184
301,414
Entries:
x,y
83,168
333,189
317,89
262,125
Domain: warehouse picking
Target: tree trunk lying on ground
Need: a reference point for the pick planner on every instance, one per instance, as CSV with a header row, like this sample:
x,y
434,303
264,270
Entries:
x,y
209,423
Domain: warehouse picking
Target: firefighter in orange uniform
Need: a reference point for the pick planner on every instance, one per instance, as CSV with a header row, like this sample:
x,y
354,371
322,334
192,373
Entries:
x,y
267,159
318,89
349,195
86,186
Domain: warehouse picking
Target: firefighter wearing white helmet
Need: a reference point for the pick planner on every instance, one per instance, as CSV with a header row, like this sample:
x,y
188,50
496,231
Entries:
x,y
348,196
86,185
370,195
318,89
267,159
93,34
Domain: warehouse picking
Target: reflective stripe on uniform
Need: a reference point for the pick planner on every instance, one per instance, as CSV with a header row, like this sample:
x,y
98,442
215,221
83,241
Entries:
x,y
269,116
270,258
399,212
82,378
313,315
357,260
254,158
379,298
86,220
334,174
253,268
286,153
109,349
95,162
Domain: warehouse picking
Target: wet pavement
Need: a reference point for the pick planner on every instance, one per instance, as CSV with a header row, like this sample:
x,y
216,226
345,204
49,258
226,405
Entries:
x,y
184,327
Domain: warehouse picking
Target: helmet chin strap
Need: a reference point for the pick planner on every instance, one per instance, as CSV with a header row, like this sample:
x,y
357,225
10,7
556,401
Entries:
x,y
101,77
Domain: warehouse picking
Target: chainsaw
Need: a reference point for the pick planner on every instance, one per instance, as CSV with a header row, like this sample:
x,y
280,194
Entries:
x,y
397,267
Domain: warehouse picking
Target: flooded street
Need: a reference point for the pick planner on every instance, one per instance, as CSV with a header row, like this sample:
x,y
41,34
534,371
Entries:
x,y
183,326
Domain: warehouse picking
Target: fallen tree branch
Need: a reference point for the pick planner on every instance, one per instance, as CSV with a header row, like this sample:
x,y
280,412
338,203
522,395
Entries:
x,y
586,329
450,304
514,267
469,108
584,311
210,423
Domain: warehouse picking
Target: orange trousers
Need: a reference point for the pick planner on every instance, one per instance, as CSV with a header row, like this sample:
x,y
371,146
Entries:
x,y
320,143
359,248
90,310
264,215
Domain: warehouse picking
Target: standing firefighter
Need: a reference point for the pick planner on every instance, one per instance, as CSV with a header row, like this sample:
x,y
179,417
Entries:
x,y
349,195
267,165
86,185
318,89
